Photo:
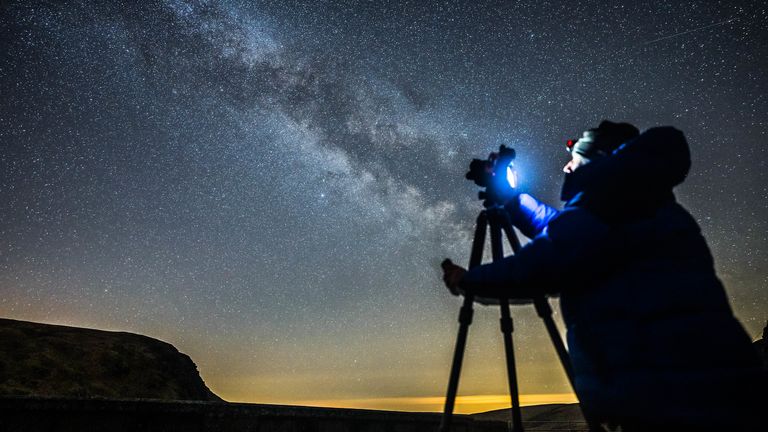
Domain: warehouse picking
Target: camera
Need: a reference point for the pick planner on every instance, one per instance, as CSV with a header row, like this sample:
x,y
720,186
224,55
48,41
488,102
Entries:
x,y
496,174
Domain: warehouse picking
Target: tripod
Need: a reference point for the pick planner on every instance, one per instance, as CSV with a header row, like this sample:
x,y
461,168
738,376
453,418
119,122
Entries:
x,y
497,218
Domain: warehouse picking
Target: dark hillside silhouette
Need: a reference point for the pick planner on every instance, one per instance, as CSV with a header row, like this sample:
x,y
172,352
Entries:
x,y
51,360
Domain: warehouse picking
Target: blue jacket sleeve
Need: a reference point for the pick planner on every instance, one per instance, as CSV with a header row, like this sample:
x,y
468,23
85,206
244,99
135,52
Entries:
x,y
565,251
530,215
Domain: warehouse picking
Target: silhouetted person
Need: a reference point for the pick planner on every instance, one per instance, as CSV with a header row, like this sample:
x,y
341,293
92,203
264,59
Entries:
x,y
653,341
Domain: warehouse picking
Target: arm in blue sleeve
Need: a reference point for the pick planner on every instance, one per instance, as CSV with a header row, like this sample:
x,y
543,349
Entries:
x,y
563,254
530,215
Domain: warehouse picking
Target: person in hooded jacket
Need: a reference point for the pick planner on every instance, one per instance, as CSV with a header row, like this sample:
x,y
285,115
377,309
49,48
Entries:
x,y
653,342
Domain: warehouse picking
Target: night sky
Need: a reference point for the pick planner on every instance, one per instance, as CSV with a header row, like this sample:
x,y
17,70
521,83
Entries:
x,y
271,185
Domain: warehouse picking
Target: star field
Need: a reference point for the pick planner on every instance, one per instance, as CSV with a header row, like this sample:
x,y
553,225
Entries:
x,y
270,186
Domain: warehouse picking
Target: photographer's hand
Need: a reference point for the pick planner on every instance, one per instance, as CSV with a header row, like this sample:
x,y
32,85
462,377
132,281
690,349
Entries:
x,y
452,275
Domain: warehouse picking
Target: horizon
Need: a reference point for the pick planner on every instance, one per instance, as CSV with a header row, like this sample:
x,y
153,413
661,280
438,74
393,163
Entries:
x,y
271,187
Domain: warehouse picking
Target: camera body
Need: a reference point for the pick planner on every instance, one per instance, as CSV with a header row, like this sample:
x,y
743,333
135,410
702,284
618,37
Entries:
x,y
496,174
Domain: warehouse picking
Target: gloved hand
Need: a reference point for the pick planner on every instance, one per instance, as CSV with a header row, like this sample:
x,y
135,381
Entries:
x,y
452,275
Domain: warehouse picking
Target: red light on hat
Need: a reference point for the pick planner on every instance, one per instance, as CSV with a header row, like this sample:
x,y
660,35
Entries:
x,y
570,143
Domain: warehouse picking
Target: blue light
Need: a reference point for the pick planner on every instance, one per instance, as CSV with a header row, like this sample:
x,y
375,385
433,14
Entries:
x,y
511,175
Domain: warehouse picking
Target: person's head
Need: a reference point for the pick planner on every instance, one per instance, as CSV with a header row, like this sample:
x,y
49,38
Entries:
x,y
577,160
598,142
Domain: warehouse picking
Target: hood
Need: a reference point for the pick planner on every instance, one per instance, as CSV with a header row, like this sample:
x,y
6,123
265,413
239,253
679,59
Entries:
x,y
636,177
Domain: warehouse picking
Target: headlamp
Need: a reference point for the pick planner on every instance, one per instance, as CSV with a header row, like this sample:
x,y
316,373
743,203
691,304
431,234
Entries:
x,y
569,144
512,175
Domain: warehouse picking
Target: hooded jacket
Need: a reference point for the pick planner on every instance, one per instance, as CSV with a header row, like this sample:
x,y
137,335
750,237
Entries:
x,y
651,334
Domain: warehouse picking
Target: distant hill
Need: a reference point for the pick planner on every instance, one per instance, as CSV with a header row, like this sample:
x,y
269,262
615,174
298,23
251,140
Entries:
x,y
51,360
543,417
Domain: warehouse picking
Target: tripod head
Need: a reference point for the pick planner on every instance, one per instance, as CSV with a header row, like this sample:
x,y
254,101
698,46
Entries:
x,y
496,174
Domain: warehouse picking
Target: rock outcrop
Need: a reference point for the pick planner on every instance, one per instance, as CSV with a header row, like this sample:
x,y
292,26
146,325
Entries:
x,y
51,360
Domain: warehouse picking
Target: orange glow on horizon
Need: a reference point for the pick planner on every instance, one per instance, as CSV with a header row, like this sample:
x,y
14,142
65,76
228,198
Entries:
x,y
464,404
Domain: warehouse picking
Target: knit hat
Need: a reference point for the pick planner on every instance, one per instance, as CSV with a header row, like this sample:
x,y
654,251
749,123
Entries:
x,y
602,140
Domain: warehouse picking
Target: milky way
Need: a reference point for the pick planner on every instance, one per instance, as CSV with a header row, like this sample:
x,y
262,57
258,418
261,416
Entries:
x,y
269,186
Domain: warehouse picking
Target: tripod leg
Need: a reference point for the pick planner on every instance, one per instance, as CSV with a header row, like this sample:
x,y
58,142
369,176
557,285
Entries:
x,y
509,350
465,319
544,310
506,225
497,249
476,257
